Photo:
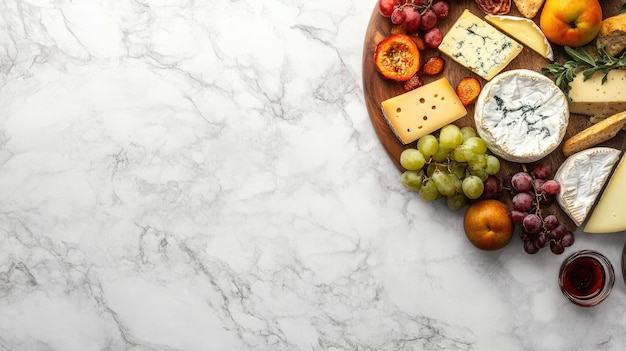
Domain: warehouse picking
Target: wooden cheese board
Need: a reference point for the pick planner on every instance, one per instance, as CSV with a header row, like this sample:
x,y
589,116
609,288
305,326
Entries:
x,y
378,89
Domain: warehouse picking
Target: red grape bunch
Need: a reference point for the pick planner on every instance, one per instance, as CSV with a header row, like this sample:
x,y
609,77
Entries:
x,y
531,191
417,16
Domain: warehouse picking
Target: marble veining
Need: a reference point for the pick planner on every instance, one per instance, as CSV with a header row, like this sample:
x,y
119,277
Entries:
x,y
203,175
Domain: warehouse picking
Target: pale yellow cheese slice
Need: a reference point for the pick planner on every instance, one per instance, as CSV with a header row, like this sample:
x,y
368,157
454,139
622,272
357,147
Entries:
x,y
525,31
609,215
422,111
593,98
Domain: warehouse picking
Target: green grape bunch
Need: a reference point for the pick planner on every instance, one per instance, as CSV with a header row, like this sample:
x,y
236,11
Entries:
x,y
454,165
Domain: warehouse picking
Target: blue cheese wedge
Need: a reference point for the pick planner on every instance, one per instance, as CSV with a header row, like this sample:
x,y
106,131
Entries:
x,y
478,46
522,115
582,176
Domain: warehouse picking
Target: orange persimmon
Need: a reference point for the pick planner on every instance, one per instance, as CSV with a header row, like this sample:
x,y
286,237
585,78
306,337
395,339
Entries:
x,y
397,57
468,90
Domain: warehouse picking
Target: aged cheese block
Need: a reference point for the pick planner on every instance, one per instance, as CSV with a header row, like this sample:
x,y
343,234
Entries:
x,y
525,31
582,177
478,46
593,98
612,34
522,115
423,110
609,215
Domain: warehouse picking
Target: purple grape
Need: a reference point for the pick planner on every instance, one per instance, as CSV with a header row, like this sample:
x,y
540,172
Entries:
x,y
518,216
559,232
386,7
556,247
521,182
397,16
551,221
522,202
532,223
491,187
433,37
568,239
429,20
541,241
551,187
441,9
412,19
541,171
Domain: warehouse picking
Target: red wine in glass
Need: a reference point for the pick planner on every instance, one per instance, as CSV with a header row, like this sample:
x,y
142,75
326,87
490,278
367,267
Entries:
x,y
584,277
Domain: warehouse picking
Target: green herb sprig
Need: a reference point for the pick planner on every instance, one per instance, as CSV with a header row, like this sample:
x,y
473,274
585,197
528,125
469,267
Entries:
x,y
580,60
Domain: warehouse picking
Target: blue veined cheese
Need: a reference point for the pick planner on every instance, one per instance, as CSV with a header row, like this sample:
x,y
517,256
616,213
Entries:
x,y
478,46
582,176
522,115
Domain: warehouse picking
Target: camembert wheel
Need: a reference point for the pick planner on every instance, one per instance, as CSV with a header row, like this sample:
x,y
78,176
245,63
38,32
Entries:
x,y
522,115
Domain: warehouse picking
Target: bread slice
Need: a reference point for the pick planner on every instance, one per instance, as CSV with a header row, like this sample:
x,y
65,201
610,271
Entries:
x,y
529,8
599,118
598,133
612,34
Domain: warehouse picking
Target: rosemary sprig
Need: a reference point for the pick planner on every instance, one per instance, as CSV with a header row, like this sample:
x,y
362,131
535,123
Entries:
x,y
577,60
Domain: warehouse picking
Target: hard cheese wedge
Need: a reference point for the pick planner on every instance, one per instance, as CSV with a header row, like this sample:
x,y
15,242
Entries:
x,y
525,31
593,98
423,110
609,215
478,46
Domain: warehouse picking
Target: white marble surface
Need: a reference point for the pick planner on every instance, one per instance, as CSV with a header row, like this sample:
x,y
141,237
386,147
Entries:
x,y
203,175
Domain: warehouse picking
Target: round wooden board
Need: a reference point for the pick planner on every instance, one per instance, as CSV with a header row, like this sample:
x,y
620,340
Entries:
x,y
378,89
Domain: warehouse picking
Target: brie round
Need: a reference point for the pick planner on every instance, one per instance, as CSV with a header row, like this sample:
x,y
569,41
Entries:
x,y
582,176
522,115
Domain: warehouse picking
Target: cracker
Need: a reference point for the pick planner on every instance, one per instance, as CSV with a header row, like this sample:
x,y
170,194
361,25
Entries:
x,y
598,133
529,8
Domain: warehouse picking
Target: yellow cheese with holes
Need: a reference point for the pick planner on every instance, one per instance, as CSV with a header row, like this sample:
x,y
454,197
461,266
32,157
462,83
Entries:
x,y
609,215
423,110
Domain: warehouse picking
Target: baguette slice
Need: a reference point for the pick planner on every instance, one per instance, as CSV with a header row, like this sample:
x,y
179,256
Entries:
x,y
598,133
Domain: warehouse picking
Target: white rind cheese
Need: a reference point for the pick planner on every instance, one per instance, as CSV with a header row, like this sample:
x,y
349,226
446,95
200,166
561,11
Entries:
x,y
478,46
522,115
609,215
582,176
